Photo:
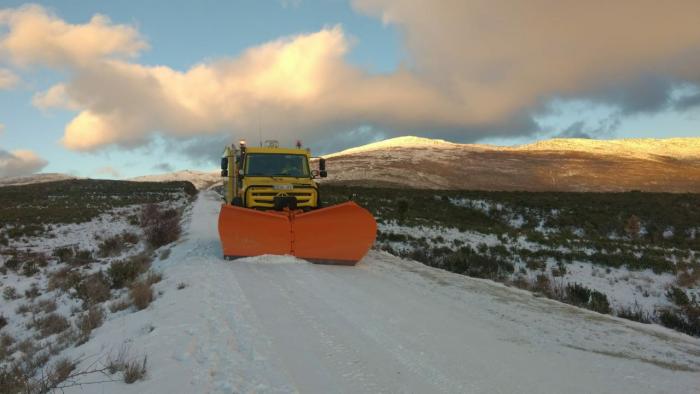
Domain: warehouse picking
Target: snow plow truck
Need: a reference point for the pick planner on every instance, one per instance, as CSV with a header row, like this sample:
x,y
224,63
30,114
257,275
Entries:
x,y
272,205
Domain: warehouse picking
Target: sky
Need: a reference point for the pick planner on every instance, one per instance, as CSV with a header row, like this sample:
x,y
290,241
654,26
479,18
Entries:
x,y
119,89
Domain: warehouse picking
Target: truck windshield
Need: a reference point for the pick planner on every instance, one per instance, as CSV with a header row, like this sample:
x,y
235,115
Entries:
x,y
270,164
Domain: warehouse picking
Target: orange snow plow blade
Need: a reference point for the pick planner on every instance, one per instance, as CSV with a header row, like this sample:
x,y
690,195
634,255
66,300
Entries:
x,y
340,234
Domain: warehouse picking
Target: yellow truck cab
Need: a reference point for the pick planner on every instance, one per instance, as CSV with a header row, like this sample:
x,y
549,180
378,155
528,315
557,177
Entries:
x,y
271,177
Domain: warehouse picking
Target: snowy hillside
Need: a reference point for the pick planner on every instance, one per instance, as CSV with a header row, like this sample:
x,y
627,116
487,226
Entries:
x,y
36,178
273,324
671,165
277,324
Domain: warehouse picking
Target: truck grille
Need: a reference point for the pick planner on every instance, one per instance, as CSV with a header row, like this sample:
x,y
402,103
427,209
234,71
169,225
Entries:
x,y
263,196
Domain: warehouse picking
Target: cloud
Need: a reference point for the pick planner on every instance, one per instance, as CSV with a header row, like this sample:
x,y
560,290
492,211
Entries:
x,y
474,69
36,36
8,79
604,128
108,171
506,56
20,162
54,97
2,128
163,167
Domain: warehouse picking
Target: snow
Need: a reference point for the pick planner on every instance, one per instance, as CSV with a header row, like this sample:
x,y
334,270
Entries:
x,y
36,178
277,324
648,148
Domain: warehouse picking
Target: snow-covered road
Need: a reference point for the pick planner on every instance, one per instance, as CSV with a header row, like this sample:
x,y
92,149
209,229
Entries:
x,y
278,324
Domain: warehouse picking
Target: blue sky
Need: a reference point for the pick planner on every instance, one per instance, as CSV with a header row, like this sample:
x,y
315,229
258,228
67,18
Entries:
x,y
366,52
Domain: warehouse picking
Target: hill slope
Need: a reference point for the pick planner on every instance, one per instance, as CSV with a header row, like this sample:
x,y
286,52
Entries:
x,y
278,324
36,178
671,165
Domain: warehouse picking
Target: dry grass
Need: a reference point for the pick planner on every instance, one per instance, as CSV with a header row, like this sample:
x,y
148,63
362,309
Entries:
x,y
92,319
94,289
64,279
60,371
153,277
10,293
50,324
141,295
161,227
688,277
119,305
134,370
131,369
123,273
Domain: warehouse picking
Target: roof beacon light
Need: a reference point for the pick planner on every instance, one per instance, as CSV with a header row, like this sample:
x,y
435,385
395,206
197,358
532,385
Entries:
x,y
298,144
241,142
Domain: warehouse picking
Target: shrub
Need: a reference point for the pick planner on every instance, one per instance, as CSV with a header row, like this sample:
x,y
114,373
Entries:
x,y
676,321
110,247
120,305
64,254
599,302
677,296
10,293
3,321
50,324
141,295
153,277
33,291
60,371
13,263
64,279
92,319
181,285
73,256
577,294
160,227
122,273
134,370
634,313
543,285
29,268
535,264
94,289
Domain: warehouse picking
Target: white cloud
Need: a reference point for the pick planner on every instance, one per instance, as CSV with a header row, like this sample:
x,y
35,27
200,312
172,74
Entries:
x,y
8,79
54,97
476,69
37,36
20,162
507,56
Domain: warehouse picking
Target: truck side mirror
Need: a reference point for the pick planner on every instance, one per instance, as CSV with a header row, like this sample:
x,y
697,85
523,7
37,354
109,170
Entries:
x,y
224,164
323,173
224,173
322,164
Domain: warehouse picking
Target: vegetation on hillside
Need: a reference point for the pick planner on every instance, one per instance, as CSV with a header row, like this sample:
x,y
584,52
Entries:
x,y
634,230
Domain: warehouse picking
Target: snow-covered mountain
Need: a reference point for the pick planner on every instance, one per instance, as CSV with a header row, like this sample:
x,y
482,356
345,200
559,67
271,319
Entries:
x,y
554,165
36,178
200,179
